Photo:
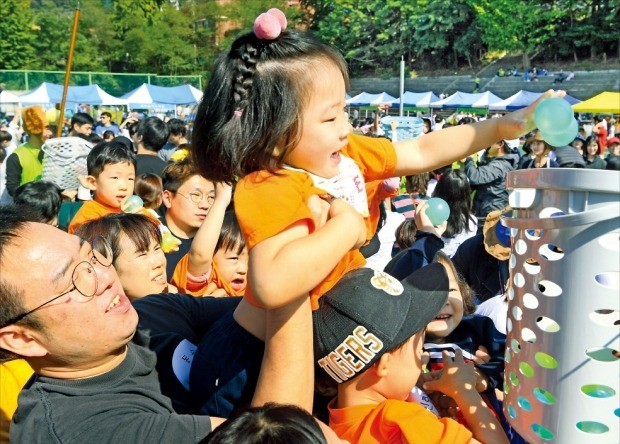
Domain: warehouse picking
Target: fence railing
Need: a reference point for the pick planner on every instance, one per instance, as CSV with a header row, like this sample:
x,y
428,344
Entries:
x,y
112,82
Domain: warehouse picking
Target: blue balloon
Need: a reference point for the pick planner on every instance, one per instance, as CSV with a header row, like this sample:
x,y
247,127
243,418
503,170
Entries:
x,y
438,210
553,115
503,234
562,137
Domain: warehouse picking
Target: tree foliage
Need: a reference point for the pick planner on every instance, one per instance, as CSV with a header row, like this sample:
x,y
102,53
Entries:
x,y
184,37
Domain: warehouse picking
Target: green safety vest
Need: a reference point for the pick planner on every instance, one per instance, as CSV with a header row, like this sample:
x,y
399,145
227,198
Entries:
x,y
32,167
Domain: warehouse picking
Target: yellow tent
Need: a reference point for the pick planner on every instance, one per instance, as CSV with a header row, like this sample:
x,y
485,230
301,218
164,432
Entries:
x,y
606,102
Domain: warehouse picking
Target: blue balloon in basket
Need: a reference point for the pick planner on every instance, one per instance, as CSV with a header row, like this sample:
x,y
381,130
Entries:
x,y
561,138
438,210
553,115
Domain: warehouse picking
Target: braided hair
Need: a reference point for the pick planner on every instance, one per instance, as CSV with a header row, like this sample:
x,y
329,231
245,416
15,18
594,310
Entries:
x,y
254,101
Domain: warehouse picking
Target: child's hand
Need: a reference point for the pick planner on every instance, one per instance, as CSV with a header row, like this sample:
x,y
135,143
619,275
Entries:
x,y
223,192
456,378
213,290
517,123
319,209
339,207
423,222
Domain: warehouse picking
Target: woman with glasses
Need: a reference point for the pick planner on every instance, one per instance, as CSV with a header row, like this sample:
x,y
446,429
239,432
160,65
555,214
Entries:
x,y
135,244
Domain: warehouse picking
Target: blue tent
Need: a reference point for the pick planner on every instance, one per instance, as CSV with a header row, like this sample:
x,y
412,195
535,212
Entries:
x,y
367,99
420,100
48,93
467,100
147,95
522,99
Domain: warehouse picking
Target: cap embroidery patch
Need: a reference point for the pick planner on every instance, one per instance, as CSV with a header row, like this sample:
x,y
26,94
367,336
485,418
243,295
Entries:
x,y
387,283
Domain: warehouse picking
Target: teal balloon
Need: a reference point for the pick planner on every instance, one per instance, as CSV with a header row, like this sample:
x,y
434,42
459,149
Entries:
x,y
562,137
553,115
438,210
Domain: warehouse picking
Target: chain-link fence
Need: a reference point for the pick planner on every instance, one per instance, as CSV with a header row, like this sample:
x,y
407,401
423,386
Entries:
x,y
116,84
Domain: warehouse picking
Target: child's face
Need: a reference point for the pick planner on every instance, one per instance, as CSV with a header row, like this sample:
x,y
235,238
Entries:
x,y
185,207
614,149
451,314
232,267
324,127
592,148
141,272
114,183
538,147
405,366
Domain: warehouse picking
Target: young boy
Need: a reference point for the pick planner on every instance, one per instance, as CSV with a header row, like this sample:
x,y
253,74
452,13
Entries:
x,y
370,343
111,176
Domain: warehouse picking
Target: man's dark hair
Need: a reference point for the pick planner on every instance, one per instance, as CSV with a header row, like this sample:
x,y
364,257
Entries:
x,y
177,127
12,222
154,133
5,136
81,119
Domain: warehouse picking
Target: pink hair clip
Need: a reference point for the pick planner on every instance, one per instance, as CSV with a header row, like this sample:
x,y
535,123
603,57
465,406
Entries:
x,y
270,24
238,112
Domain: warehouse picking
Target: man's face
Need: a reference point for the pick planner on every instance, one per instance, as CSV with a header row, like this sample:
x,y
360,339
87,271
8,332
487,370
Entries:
x,y
79,332
85,129
182,211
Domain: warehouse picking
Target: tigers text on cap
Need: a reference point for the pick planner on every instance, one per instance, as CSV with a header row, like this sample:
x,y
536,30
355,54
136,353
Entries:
x,y
370,312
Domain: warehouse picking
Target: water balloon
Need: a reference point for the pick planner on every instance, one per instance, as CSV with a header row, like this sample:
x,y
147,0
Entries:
x,y
438,210
553,114
562,137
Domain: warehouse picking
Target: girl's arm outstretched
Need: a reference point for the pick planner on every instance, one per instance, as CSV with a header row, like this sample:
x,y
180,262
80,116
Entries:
x,y
443,147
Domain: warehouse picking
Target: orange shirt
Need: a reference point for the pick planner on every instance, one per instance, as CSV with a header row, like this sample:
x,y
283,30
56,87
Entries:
x,y
13,376
267,204
89,211
92,210
394,421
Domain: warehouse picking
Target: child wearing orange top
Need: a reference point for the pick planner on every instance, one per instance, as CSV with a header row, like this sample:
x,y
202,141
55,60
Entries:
x,y
226,275
273,116
370,343
111,177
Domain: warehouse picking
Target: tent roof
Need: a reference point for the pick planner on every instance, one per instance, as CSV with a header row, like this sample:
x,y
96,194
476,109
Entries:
x,y
421,99
605,102
8,97
146,95
43,94
466,100
364,99
93,95
47,93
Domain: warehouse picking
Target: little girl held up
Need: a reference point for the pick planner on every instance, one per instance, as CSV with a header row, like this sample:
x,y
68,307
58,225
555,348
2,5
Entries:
x,y
273,116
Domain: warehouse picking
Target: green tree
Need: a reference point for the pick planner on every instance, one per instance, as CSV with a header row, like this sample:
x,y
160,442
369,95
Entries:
x,y
16,34
526,26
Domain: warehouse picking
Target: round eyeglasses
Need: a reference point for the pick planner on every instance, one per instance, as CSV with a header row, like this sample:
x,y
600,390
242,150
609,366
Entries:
x,y
83,278
197,196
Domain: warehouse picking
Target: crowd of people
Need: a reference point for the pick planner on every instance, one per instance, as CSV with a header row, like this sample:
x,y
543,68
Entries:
x,y
233,302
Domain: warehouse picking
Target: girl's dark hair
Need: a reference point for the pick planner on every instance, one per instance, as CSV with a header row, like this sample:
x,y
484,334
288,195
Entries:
x,y
269,424
587,142
149,187
141,229
469,306
417,183
254,101
230,234
453,187
405,233
108,153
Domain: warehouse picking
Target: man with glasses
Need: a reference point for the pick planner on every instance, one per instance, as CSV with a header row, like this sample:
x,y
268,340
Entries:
x,y
106,124
187,198
64,311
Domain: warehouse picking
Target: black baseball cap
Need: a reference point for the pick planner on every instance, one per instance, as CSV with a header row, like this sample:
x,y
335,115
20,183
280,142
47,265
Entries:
x,y
370,312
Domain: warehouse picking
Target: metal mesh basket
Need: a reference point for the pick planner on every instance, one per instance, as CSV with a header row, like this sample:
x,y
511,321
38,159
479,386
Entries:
x,y
561,378
64,160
